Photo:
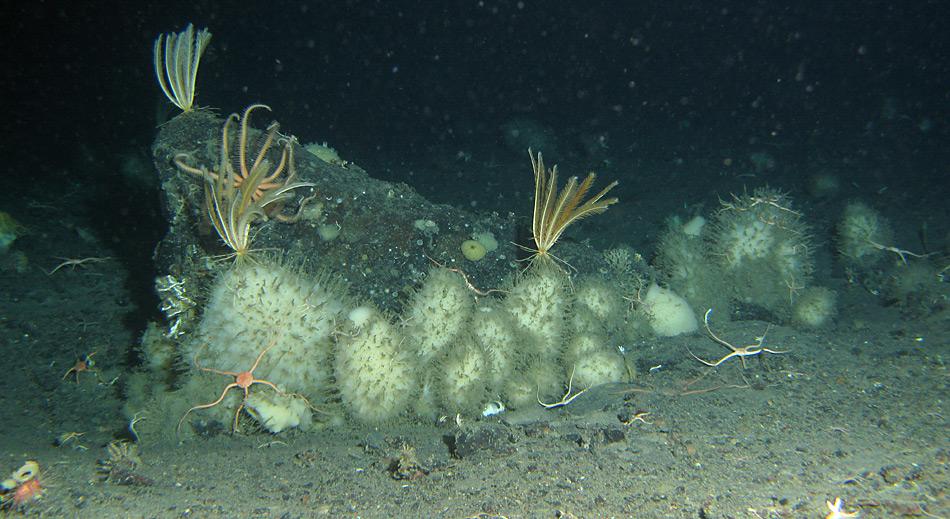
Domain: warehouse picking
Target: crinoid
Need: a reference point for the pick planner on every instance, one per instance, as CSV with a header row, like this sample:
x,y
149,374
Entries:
x,y
176,67
554,212
238,193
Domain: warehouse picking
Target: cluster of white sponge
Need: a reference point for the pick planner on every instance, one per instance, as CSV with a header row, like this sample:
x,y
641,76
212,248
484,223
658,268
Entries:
x,y
757,251
446,353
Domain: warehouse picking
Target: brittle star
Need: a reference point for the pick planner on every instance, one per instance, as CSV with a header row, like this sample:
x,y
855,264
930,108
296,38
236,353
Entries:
x,y
567,398
900,252
473,288
737,351
243,380
639,416
73,263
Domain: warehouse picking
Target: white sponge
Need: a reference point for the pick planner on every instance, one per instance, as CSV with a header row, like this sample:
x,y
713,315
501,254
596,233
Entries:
x,y
600,298
253,306
764,248
437,312
496,333
276,412
815,307
669,314
592,362
598,367
863,234
538,303
374,373
463,377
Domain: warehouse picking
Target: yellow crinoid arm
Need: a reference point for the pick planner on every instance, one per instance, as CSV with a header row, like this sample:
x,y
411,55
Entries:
x,y
543,195
574,210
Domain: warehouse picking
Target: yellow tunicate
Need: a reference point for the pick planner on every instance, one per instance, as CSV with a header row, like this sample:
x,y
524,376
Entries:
x,y
473,250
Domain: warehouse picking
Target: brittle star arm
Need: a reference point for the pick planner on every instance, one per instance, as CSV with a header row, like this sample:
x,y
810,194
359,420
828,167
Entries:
x,y
567,398
205,406
900,252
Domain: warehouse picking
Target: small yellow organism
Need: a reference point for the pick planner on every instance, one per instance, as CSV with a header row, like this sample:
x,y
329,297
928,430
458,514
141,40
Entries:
x,y
473,250
324,152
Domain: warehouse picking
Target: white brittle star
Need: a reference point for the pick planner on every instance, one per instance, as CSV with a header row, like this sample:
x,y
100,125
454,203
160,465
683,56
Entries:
x,y
76,262
737,351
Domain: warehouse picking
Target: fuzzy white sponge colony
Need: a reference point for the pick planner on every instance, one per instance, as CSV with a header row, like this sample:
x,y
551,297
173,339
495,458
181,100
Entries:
x,y
815,308
690,271
438,312
253,306
495,332
863,235
464,376
603,300
461,356
591,362
589,357
538,303
763,247
375,375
